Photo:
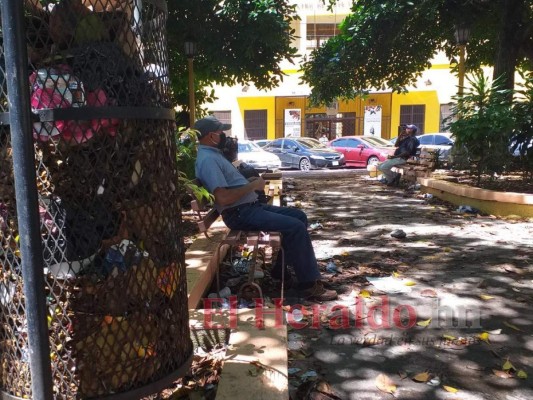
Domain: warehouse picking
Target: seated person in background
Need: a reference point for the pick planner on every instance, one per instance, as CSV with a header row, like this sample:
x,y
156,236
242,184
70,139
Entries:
x,y
406,146
236,200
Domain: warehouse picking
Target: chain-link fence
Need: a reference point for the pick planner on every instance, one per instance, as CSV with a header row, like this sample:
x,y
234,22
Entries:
x,y
106,181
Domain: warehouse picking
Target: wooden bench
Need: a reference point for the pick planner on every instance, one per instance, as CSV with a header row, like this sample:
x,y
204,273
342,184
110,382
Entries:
x,y
207,215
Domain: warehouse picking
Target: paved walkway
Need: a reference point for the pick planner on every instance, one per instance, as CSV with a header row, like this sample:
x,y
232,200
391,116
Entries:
x,y
464,281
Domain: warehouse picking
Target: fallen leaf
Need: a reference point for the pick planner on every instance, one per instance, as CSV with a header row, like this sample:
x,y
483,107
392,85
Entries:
x,y
409,283
485,297
424,323
385,384
428,293
421,377
512,326
449,337
501,374
450,389
396,274
521,374
365,294
507,366
484,337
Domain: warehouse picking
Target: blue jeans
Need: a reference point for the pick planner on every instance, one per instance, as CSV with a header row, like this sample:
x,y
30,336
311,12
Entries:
x,y
292,223
387,165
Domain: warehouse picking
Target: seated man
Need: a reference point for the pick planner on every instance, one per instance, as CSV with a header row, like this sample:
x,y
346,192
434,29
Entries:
x,y
236,200
406,146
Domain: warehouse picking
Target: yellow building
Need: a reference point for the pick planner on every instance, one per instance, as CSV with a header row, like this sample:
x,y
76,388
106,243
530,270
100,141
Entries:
x,y
285,110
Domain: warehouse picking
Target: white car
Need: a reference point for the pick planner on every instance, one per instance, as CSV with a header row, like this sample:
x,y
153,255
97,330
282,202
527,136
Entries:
x,y
253,155
442,141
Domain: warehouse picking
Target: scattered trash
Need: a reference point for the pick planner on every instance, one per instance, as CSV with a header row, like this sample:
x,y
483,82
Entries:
x,y
331,267
315,226
259,273
297,315
398,234
434,382
428,196
467,210
415,187
360,222
7,290
289,199
389,284
232,282
308,375
293,371
241,265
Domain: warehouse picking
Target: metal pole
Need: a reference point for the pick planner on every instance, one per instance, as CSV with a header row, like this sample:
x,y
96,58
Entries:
x,y
192,106
460,90
26,196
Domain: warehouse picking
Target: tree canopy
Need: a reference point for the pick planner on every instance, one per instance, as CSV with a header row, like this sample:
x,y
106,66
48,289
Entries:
x,y
392,42
238,41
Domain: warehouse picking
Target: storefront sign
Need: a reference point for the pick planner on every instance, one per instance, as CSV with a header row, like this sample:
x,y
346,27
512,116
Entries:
x,y
372,125
293,122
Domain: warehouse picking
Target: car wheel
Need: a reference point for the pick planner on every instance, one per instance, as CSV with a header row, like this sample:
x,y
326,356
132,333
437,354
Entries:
x,y
372,161
305,165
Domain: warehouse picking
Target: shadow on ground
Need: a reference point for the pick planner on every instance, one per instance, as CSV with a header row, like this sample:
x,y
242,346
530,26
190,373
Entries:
x,y
467,292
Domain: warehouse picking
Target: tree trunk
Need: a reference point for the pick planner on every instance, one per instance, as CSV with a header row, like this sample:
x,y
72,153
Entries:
x,y
509,40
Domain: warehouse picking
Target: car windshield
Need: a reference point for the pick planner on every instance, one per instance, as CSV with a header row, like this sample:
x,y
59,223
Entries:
x,y
375,141
248,147
310,143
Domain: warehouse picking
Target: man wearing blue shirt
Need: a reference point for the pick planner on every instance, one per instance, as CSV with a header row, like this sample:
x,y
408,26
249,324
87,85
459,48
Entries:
x,y
236,200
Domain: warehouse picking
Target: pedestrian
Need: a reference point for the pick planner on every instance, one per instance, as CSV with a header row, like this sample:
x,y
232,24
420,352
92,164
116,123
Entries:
x,y
236,201
406,146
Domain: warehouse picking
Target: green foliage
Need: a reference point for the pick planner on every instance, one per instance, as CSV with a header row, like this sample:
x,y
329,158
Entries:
x,y
484,120
238,42
186,150
390,43
522,136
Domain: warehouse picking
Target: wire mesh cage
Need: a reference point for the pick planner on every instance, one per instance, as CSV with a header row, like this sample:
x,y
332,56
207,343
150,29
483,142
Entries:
x,y
105,161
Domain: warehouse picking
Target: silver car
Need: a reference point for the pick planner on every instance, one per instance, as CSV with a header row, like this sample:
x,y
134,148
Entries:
x,y
253,155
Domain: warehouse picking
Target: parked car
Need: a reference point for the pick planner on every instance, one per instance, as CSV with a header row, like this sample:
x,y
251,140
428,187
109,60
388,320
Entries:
x,y
262,142
304,153
442,141
360,151
253,155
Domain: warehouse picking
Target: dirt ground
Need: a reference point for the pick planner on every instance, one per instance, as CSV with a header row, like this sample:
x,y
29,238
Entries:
x,y
463,281
450,320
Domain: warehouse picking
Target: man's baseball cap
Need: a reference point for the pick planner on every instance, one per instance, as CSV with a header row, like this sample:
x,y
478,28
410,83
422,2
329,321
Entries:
x,y
209,124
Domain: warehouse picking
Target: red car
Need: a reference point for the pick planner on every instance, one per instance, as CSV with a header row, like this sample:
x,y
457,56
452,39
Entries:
x,y
360,151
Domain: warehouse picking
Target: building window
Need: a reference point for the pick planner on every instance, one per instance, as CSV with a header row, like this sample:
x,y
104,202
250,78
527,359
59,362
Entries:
x,y
224,117
446,117
415,114
317,34
255,124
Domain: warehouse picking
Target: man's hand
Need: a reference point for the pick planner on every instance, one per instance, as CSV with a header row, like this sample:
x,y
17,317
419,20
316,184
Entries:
x,y
258,181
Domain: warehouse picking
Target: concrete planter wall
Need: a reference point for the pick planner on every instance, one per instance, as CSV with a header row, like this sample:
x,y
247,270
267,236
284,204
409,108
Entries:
x,y
487,201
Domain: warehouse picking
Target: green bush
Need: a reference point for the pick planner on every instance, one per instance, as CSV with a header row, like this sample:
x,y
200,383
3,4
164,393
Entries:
x,y
483,125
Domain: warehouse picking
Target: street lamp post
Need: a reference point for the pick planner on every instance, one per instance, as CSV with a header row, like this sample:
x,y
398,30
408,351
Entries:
x,y
190,52
462,34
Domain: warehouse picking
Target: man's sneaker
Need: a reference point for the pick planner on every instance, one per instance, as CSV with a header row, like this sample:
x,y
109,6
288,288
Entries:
x,y
396,180
318,292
